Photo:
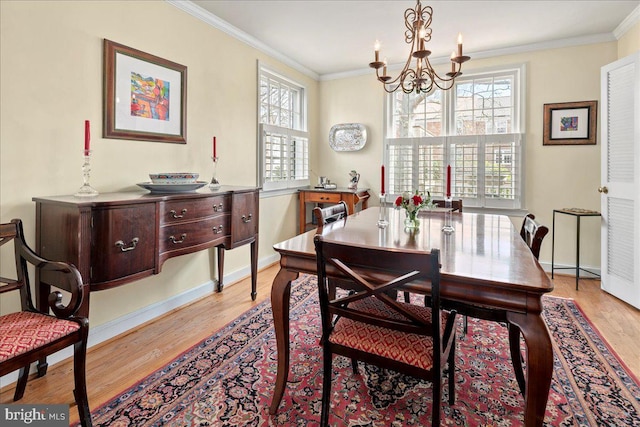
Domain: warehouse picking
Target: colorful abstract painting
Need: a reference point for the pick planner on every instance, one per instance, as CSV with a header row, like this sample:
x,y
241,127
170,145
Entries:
x,y
569,124
149,97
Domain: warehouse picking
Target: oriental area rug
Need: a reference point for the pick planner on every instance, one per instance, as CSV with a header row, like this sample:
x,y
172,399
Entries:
x,y
228,379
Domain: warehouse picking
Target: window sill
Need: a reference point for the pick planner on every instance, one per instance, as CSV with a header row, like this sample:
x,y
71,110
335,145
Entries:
x,y
279,192
496,211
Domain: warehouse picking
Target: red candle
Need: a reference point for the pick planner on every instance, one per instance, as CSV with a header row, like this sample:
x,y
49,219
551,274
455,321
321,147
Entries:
x,y
214,148
382,180
87,137
448,181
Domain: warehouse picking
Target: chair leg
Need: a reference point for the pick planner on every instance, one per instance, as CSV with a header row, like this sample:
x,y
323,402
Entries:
x,y
407,297
437,396
23,376
354,365
42,367
465,323
80,380
452,371
326,386
516,355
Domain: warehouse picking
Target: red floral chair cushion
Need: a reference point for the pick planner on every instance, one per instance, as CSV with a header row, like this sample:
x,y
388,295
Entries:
x,y
412,349
24,331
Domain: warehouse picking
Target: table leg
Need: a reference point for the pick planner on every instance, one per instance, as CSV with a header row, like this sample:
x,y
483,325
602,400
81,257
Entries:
x,y
280,295
539,365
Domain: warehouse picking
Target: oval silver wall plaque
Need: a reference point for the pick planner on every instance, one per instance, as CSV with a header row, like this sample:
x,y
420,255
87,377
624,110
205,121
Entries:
x,y
348,136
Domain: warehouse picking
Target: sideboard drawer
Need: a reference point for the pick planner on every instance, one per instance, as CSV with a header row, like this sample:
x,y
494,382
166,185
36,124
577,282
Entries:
x,y
190,209
323,197
187,235
244,219
124,241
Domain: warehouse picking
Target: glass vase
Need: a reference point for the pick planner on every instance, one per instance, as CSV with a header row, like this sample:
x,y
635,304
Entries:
x,y
411,221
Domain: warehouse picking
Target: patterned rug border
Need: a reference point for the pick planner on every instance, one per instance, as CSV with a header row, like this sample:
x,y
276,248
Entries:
x,y
625,382
594,329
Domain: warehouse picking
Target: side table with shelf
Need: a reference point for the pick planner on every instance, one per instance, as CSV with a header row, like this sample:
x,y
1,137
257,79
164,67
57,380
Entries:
x,y
578,214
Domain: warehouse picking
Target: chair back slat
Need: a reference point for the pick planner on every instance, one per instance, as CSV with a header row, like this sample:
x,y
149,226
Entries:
x,y
377,273
330,214
533,234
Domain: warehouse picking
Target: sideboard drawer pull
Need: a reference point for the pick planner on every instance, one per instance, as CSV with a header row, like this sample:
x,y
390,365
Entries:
x,y
217,230
123,248
183,236
217,208
175,215
246,219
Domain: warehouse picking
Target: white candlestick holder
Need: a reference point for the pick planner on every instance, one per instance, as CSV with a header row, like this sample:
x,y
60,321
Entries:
x,y
448,222
383,214
215,184
86,190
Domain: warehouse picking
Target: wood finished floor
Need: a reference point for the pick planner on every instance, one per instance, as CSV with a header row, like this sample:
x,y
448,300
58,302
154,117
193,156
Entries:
x,y
114,365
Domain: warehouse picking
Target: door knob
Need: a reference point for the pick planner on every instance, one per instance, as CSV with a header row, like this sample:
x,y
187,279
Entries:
x,y
604,190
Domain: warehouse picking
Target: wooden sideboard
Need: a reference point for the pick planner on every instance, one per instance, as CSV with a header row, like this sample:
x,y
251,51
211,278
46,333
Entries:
x,y
320,195
117,238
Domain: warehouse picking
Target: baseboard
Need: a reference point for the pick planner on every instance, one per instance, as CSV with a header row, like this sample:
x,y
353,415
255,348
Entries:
x,y
569,270
132,320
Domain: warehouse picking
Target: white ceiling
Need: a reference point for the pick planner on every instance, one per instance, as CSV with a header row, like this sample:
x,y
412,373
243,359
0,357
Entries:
x,y
337,36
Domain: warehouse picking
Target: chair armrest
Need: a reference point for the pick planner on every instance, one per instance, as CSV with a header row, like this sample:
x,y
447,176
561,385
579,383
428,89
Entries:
x,y
70,279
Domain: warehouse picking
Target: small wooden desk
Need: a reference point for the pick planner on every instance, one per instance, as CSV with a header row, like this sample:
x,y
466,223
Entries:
x,y
485,263
319,195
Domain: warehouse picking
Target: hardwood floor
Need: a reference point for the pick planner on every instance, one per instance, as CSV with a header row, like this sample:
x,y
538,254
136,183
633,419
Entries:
x,y
114,365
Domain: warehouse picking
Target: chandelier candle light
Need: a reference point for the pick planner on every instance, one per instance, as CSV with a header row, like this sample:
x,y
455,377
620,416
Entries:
x,y
422,79
215,184
86,190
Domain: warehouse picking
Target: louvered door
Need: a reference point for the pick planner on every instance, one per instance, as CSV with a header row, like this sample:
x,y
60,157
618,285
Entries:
x,y
620,191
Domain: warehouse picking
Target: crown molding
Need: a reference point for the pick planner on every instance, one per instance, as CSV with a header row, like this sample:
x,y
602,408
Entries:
x,y
211,19
627,23
214,21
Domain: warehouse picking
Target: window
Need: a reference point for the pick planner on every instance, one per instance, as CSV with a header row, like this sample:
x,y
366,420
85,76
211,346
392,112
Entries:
x,y
284,139
476,127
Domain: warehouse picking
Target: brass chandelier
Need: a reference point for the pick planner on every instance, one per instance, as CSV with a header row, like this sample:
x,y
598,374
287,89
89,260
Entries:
x,y
422,78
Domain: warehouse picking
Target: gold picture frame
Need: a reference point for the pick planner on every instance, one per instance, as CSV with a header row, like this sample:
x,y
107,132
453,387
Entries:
x,y
570,123
145,96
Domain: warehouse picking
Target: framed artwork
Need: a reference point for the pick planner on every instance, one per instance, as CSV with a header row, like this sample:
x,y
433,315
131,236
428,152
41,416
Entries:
x,y
145,97
570,123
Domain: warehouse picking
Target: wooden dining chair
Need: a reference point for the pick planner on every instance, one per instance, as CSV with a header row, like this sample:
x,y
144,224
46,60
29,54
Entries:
x,y
330,214
418,340
30,334
533,233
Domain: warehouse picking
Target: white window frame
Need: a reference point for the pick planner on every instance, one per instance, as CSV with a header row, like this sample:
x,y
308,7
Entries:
x,y
296,152
448,138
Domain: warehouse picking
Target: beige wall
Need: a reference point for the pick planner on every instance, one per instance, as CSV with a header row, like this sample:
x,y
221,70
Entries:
x,y
556,176
629,42
51,81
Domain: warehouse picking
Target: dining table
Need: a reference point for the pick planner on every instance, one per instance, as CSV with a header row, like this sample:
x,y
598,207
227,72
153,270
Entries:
x,y
486,267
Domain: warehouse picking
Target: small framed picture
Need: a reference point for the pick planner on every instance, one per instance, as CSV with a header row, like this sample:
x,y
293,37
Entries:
x,y
145,97
570,123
